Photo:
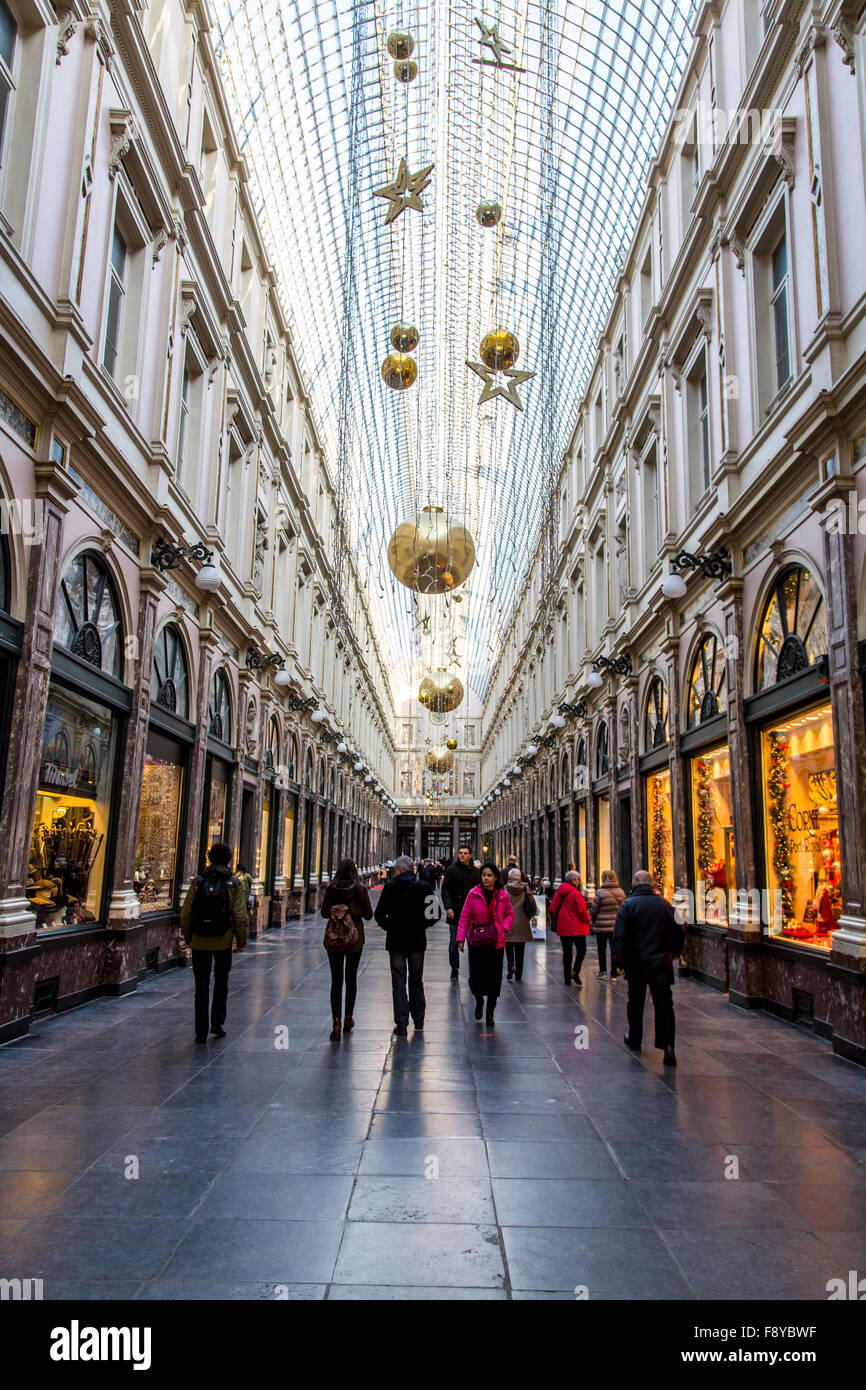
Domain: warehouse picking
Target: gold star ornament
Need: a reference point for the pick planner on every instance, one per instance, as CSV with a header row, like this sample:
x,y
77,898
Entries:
x,y
405,192
493,388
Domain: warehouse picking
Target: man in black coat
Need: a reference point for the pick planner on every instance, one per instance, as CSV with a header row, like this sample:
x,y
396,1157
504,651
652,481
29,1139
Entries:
x,y
405,909
460,876
646,937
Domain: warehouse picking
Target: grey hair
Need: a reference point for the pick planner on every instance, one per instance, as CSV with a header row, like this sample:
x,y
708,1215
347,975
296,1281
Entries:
x,y
514,873
404,864
572,876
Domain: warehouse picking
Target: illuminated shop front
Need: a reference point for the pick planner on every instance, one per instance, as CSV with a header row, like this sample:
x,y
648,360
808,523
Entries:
x,y
221,758
709,780
170,738
601,802
657,789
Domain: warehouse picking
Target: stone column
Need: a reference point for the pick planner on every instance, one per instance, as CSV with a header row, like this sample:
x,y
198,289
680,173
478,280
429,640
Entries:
x,y
125,906
455,836
638,828
208,645
417,838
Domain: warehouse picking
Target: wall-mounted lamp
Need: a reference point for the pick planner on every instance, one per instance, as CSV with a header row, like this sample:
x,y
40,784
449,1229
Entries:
x,y
257,661
165,556
578,711
618,665
296,703
715,565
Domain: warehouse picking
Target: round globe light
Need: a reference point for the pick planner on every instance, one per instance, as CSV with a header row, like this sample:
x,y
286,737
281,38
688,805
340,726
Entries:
x,y
318,716
342,748
208,578
506,782
367,780
594,679
359,767
674,586
558,721
532,750
498,791
282,677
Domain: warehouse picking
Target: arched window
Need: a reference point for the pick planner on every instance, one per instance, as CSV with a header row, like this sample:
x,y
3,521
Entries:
x,y
708,682
308,772
294,758
565,782
322,777
272,752
220,708
169,685
793,630
332,786
656,716
602,751
582,777
87,617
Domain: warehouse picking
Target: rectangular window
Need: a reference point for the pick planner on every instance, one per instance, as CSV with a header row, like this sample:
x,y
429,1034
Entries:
x,y
660,832
779,310
646,289
704,426
155,879
184,420
698,422
116,295
8,33
289,840
649,470
713,834
470,735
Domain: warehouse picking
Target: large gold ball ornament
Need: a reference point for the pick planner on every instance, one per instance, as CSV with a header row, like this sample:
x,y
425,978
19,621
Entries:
x,y
404,337
499,350
406,70
488,214
399,371
438,758
441,691
451,743
429,554
400,44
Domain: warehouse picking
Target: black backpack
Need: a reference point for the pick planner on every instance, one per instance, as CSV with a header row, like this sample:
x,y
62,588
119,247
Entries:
x,y
211,907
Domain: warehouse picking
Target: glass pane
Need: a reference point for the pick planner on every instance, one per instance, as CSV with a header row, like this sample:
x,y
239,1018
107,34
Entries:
x,y
713,834
602,836
289,841
216,813
780,325
660,832
71,826
156,850
780,263
8,29
118,254
112,327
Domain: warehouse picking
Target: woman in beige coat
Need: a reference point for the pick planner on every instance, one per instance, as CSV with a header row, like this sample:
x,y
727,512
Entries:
x,y
520,931
605,906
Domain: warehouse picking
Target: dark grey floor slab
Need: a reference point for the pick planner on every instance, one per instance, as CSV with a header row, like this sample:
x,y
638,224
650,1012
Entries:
x,y
763,1265
279,1197
403,1124
254,1251
566,1202
632,1261
444,1199
87,1247
739,1202
383,1293
449,1256
417,1157
531,1159
187,1291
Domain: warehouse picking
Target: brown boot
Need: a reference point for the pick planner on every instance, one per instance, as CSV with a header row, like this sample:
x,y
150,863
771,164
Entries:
x,y
336,1031
348,1024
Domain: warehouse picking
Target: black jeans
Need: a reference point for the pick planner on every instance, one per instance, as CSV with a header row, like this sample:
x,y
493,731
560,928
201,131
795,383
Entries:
x,y
578,944
411,962
201,968
485,973
337,960
514,951
602,941
663,1004
453,953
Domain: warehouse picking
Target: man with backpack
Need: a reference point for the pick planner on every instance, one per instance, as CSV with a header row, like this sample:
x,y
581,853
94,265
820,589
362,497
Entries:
x,y
214,913
404,911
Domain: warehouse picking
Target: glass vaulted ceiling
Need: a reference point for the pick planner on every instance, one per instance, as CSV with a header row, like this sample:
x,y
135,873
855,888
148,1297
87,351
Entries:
x,y
563,146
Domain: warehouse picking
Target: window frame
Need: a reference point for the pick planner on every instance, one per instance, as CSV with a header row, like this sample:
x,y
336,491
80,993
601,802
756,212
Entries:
x,y
775,221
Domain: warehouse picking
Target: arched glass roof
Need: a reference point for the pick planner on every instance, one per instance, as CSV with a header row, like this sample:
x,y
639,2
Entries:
x,y
563,146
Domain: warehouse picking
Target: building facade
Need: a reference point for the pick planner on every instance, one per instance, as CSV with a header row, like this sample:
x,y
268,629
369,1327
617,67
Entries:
x,y
174,668
687,694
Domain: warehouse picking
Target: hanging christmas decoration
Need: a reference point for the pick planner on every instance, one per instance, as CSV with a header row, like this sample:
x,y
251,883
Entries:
x,y
439,758
705,852
488,214
399,371
404,337
430,554
405,192
441,691
438,716
777,786
490,39
658,839
400,44
493,388
451,743
406,71
499,350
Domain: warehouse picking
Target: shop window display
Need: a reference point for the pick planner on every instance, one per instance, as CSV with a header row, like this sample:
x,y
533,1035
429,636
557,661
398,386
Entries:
x,y
289,839
263,850
73,803
602,822
216,811
713,834
660,831
156,850
801,828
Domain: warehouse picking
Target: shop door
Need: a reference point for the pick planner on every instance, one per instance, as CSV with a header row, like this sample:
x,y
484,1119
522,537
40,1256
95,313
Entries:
x,y
551,847
625,861
564,842
245,845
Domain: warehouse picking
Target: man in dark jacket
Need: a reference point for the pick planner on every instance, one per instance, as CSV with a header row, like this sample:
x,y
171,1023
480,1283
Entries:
x,y
460,876
212,948
646,937
428,873
405,908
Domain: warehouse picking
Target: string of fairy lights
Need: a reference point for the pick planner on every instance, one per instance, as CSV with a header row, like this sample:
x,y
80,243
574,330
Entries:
x,y
476,183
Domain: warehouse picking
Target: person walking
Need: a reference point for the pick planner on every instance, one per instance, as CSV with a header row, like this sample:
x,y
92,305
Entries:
x,y
404,914
605,906
214,914
428,874
646,937
484,924
459,878
346,905
569,918
245,879
524,907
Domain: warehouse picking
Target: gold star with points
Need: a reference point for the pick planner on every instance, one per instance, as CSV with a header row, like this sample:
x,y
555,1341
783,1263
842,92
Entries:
x,y
492,387
490,39
405,191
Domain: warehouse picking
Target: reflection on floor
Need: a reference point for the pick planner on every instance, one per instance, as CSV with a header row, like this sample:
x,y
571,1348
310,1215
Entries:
x,y
464,1162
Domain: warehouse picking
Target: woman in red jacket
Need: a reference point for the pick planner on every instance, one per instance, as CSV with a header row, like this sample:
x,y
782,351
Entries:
x,y
484,922
570,920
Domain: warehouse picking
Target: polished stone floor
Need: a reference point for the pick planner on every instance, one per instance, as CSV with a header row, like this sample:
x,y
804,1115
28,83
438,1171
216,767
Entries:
x,y
464,1162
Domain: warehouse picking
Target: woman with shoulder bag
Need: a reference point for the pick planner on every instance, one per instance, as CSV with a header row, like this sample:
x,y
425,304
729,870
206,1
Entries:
x,y
484,923
525,908
605,906
570,919
346,905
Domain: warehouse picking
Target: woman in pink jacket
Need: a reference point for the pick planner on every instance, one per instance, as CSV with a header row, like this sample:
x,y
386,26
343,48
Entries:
x,y
484,922
570,920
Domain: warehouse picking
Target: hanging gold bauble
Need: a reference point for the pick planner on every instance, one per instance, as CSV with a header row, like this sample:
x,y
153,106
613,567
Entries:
x,y
399,371
488,214
438,758
441,691
404,337
406,70
499,350
400,44
428,554
451,743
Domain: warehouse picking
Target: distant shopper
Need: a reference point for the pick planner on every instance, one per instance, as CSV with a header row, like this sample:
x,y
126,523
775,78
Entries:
x,y
605,906
428,873
346,905
524,907
245,879
460,876
570,920
214,914
403,913
484,924
646,938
